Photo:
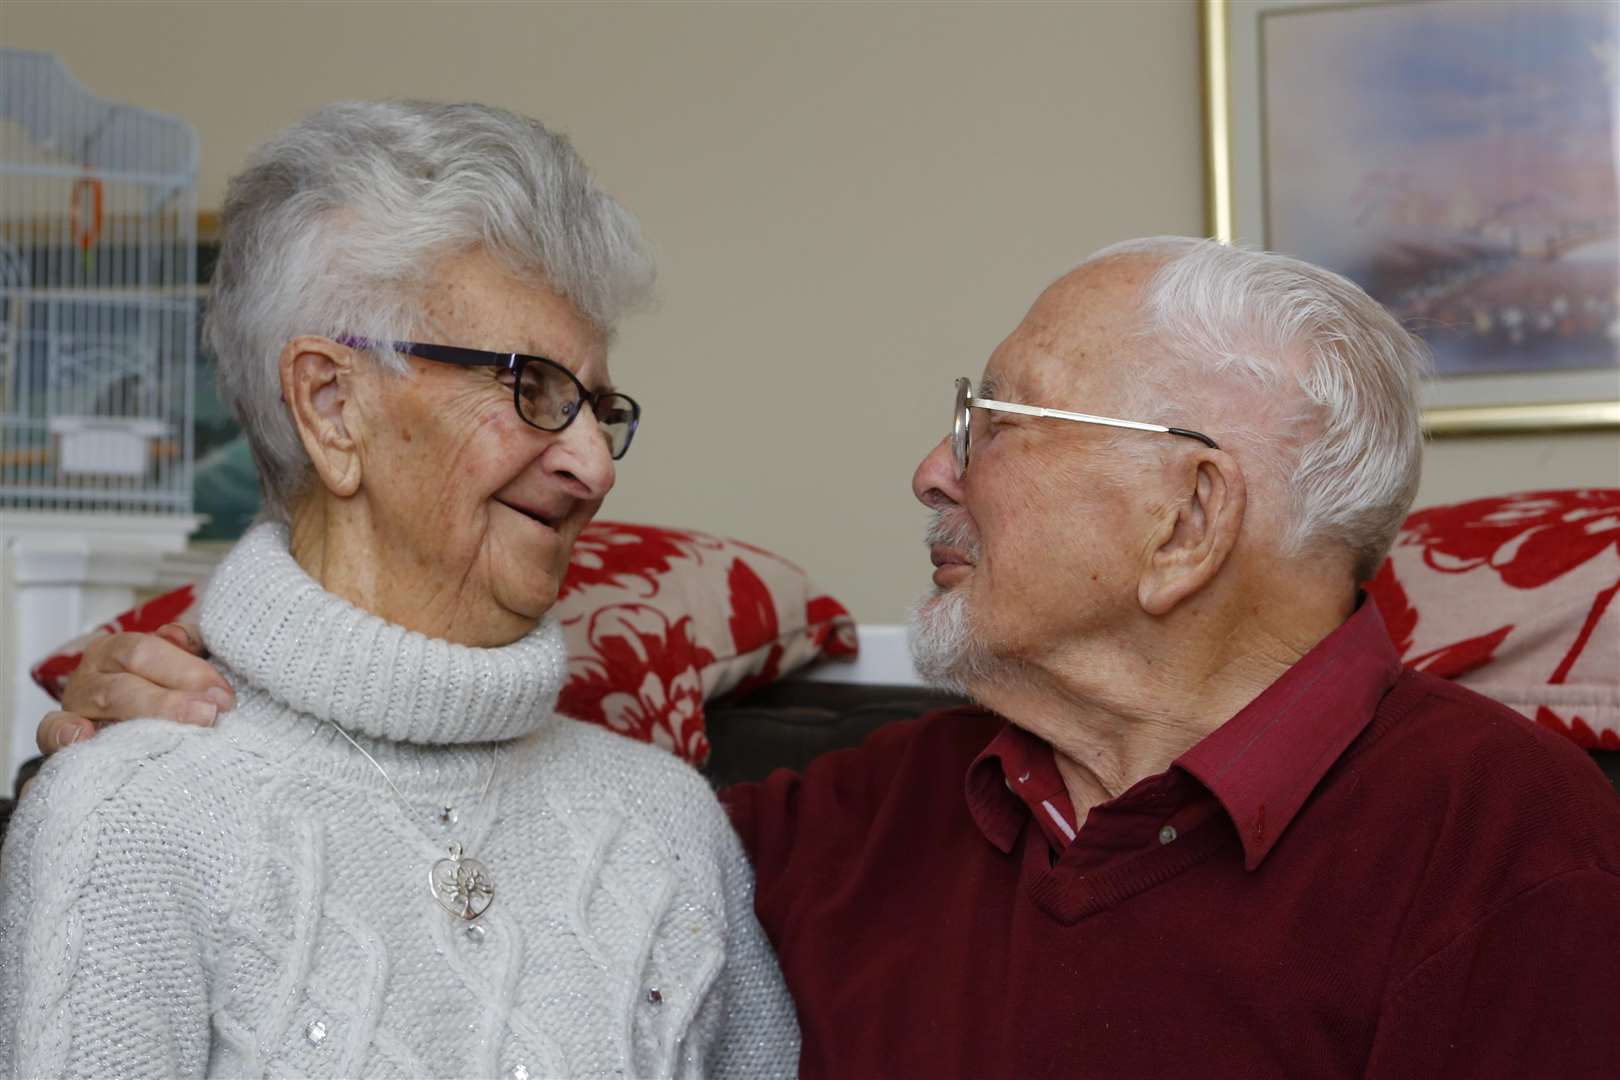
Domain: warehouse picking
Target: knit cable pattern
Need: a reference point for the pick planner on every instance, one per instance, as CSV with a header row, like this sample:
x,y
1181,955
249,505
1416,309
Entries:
x,y
252,899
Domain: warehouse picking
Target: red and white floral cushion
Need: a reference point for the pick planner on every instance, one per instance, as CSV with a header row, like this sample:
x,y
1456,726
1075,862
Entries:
x,y
658,621
1514,597
1511,596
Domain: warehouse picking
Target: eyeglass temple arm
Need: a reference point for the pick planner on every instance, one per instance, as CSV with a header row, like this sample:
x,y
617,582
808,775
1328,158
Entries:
x,y
1085,418
444,354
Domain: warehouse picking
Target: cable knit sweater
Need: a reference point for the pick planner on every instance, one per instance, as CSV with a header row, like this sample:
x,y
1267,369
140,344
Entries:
x,y
252,899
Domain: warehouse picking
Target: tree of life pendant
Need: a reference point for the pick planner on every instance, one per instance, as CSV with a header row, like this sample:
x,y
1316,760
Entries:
x,y
462,886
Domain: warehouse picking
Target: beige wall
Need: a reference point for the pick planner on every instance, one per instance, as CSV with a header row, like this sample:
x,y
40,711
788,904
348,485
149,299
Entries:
x,y
852,203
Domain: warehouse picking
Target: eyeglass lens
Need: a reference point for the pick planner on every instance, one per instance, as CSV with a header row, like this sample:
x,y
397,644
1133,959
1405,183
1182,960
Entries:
x,y
961,420
549,398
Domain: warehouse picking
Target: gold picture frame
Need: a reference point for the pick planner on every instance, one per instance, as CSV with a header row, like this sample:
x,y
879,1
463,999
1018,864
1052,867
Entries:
x,y
1237,172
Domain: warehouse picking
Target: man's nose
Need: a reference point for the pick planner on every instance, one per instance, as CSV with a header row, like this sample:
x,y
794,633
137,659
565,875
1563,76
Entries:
x,y
935,482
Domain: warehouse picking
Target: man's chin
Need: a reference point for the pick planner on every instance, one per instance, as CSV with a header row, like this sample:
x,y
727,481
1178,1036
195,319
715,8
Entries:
x,y
944,648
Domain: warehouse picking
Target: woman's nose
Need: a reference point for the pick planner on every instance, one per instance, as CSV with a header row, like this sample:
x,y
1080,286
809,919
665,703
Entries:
x,y
581,456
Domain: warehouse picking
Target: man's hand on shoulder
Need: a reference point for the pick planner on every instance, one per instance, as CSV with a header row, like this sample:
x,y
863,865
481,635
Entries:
x,y
124,676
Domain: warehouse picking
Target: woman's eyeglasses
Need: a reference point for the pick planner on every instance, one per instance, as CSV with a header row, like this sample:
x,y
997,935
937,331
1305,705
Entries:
x,y
546,394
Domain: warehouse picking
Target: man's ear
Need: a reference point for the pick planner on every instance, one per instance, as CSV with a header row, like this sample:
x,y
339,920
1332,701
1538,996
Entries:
x,y
317,384
1199,531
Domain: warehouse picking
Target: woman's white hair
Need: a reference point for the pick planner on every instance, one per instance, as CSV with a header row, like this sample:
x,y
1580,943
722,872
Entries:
x,y
336,224
1343,433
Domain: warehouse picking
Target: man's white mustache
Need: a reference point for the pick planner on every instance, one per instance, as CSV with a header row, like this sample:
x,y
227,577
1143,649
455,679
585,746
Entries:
x,y
952,529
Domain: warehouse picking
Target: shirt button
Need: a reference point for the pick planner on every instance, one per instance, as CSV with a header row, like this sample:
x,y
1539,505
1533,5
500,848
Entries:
x,y
1167,834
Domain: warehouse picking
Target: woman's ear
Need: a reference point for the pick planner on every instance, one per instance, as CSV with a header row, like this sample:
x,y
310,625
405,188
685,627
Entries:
x,y
1200,530
317,383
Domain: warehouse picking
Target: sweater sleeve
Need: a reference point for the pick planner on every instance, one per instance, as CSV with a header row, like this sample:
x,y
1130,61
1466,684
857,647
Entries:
x,y
1530,990
101,924
832,802
759,1031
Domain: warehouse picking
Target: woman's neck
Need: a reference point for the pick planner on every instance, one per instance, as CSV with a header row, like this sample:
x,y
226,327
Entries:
x,y
336,542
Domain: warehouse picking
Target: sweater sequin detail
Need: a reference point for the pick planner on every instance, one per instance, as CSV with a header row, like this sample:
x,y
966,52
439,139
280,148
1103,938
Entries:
x,y
252,899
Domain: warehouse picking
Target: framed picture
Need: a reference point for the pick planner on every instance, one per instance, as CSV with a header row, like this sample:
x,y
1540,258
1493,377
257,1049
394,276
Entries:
x,y
1455,158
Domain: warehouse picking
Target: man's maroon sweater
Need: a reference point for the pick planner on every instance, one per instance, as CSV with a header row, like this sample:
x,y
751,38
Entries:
x,y
1369,872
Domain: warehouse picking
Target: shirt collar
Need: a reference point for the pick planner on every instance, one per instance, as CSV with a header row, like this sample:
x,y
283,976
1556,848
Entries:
x,y
1261,765
1264,762
1015,775
995,809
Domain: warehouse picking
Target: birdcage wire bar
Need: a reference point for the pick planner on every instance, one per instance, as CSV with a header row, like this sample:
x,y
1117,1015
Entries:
x,y
98,297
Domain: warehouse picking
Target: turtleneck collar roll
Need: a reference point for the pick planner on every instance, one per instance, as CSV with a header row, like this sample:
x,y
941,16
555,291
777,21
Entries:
x,y
278,630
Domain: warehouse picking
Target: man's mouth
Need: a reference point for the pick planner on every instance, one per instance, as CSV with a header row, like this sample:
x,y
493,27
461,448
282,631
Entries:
x,y
953,547
950,564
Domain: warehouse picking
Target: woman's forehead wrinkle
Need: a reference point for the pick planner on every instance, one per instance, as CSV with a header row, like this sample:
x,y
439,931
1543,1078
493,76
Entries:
x,y
443,312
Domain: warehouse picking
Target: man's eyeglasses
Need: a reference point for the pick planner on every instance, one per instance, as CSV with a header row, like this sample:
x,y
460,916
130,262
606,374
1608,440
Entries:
x,y
962,421
546,394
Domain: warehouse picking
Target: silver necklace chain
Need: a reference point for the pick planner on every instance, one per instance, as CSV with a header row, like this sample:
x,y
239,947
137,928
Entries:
x,y
462,885
490,782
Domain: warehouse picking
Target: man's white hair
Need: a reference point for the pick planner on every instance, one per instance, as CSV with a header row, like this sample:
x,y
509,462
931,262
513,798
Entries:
x,y
336,224
1345,438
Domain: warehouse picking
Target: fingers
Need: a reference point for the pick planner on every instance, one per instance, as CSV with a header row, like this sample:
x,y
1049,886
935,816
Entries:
x,y
123,676
129,675
125,696
185,635
60,729
169,658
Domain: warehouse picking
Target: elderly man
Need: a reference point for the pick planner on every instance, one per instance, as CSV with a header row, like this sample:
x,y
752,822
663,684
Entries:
x,y
1202,821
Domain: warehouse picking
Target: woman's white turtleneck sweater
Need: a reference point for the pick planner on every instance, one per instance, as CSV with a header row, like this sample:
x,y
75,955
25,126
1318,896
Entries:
x,y
252,899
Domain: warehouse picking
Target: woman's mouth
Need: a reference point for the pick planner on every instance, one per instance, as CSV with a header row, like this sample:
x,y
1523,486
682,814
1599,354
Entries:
x,y
548,520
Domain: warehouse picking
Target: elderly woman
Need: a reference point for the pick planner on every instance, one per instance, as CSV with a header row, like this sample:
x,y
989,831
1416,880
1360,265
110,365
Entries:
x,y
392,857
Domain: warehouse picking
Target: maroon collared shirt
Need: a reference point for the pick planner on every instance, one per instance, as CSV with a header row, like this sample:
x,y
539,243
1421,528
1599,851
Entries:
x,y
1365,872
1023,764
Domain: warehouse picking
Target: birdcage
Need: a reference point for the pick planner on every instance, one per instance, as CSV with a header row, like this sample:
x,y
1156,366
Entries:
x,y
98,297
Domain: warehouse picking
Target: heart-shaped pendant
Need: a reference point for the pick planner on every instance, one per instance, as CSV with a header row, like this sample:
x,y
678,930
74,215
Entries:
x,y
462,886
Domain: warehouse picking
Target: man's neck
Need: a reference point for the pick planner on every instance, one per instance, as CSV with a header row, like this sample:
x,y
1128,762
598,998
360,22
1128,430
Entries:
x,y
1119,711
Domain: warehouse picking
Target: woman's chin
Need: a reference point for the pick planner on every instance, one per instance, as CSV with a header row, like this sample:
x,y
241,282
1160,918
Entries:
x,y
493,629
528,598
